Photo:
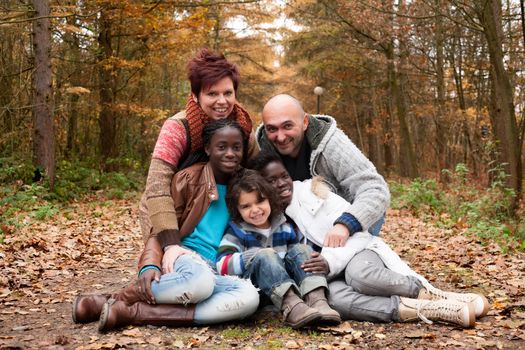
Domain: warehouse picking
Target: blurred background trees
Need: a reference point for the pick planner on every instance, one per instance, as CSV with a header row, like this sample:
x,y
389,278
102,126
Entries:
x,y
420,86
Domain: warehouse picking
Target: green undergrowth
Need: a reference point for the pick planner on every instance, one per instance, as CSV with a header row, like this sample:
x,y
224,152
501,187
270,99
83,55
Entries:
x,y
23,201
461,205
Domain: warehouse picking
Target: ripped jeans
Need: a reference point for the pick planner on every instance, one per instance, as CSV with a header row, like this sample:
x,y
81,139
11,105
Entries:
x,y
218,298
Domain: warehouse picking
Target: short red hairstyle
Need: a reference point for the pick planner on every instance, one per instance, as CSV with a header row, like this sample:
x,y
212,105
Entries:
x,y
207,68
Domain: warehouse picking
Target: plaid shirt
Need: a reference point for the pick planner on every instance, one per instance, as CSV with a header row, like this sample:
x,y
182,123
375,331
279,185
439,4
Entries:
x,y
242,241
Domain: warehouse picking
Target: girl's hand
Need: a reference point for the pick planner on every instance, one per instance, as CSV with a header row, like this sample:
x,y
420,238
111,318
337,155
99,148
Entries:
x,y
171,254
317,264
144,285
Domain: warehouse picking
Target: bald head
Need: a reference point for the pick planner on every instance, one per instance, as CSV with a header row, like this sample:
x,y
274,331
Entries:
x,y
283,101
285,123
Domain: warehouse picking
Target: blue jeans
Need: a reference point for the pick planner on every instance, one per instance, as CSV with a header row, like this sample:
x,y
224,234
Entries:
x,y
274,276
217,298
376,227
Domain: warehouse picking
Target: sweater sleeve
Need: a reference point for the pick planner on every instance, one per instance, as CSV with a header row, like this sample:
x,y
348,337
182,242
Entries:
x,y
169,148
229,257
359,182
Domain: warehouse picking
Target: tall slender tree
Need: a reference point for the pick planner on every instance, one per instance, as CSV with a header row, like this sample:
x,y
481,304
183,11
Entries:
x,y
502,110
43,128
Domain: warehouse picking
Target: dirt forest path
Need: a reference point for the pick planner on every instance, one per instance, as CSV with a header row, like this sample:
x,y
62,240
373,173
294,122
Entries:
x,y
92,248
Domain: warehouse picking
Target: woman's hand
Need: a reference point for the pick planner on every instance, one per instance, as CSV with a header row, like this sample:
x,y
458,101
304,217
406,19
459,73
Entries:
x,y
144,285
317,264
171,254
337,236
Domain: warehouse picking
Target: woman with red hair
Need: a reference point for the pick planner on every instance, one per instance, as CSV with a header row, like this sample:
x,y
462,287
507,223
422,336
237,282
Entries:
x,y
214,82
192,294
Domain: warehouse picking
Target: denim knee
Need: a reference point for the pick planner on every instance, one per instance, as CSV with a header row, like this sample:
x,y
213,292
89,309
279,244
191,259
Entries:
x,y
266,255
250,297
233,299
191,282
202,284
302,251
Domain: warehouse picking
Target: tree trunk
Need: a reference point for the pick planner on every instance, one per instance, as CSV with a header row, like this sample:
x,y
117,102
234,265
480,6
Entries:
x,y
502,113
407,156
106,73
7,72
388,131
43,129
440,121
74,48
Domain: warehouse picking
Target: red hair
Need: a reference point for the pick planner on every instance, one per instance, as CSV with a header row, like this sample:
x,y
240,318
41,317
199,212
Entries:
x,y
207,68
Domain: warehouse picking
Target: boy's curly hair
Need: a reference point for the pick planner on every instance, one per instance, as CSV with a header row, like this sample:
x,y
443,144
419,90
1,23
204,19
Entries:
x,y
249,180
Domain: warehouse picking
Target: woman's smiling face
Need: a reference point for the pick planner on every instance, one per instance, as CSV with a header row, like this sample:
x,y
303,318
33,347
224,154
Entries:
x,y
217,100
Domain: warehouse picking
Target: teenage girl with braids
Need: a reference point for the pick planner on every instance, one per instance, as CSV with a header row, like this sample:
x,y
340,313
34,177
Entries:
x,y
177,285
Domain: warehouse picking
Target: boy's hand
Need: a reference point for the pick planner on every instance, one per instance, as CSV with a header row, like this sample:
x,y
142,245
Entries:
x,y
317,264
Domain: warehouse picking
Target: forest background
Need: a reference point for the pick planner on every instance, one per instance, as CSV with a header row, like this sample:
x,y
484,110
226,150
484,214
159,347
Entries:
x,y
432,91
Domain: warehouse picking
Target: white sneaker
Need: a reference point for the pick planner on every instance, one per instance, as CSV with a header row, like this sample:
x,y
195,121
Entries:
x,y
479,302
444,310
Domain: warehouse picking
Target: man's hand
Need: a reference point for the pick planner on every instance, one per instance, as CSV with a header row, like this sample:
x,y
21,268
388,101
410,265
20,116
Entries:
x,y
171,254
337,236
317,264
144,285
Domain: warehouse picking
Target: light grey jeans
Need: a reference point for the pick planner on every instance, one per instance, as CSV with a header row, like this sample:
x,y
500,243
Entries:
x,y
369,291
218,298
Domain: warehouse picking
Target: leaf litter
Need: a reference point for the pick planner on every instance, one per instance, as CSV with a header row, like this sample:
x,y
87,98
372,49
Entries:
x,y
94,249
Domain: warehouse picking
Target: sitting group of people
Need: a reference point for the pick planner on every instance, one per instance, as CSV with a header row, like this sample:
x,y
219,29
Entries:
x,y
290,214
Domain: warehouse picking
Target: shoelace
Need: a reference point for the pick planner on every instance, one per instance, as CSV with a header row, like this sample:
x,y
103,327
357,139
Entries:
x,y
439,294
449,312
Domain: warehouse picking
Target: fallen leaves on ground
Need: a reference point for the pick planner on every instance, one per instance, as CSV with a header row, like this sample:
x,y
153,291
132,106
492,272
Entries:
x,y
93,247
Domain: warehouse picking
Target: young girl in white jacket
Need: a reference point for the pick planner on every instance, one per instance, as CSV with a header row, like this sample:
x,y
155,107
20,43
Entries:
x,y
370,281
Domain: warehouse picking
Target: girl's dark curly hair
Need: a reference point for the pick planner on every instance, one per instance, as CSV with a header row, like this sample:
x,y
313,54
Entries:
x,y
248,181
261,160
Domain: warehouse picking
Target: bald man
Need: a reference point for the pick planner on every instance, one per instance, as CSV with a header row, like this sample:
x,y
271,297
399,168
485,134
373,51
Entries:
x,y
311,145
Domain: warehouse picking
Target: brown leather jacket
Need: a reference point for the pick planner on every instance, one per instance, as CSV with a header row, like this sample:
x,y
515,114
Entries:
x,y
193,189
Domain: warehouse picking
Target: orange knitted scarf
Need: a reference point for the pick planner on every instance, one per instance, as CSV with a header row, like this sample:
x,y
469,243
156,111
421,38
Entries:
x,y
197,119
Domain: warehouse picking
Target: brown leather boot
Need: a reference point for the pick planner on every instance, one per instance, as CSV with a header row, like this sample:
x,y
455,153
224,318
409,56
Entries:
x,y
317,299
87,308
296,313
116,314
